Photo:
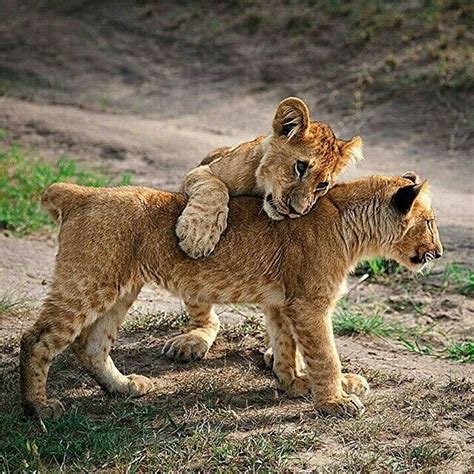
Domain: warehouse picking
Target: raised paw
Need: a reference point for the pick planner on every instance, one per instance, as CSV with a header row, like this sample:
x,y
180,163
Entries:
x,y
345,406
355,384
185,348
139,385
48,409
199,233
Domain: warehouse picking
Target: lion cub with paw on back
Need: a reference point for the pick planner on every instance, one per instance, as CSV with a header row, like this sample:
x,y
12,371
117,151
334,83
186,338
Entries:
x,y
113,241
291,169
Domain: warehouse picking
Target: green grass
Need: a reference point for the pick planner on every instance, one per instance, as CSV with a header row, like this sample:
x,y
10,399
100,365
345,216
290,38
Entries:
x,y
351,322
6,304
222,415
415,346
460,277
23,178
425,455
461,351
378,267
225,417
156,322
348,321
9,304
75,439
163,436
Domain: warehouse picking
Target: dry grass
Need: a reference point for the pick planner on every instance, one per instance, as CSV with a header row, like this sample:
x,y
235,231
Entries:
x,y
224,413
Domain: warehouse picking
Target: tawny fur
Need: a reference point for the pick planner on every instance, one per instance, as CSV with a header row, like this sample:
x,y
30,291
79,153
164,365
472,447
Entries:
x,y
112,241
263,167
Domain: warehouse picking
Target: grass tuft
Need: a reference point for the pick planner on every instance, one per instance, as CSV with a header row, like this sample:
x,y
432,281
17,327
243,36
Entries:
x,y
415,346
461,351
378,267
7,305
10,305
459,277
75,439
23,179
423,455
350,322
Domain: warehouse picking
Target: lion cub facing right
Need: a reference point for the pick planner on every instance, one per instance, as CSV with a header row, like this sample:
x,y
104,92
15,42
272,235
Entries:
x,y
113,241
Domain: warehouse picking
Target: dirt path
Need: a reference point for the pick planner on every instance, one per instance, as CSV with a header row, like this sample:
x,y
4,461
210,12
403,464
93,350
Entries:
x,y
159,151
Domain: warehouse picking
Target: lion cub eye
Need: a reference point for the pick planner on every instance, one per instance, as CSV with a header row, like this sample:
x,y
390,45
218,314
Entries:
x,y
322,185
300,168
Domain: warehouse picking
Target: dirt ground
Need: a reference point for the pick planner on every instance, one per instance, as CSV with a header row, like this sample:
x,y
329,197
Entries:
x,y
151,88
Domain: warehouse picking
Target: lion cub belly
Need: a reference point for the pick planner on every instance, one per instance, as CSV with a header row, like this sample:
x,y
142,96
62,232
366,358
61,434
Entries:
x,y
225,290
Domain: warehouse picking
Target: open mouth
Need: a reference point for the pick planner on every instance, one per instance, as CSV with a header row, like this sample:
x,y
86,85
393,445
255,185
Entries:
x,y
427,257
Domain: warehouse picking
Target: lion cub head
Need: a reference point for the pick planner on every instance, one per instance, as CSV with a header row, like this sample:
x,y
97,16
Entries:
x,y
419,242
302,159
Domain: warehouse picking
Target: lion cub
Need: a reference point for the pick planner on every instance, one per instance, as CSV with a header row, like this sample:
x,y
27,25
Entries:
x,y
113,241
291,169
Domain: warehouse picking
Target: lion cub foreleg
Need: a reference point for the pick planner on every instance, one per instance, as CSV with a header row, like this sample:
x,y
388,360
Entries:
x,y
204,218
313,331
288,364
196,342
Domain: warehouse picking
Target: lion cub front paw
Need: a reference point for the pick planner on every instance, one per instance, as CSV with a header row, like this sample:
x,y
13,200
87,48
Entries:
x,y
355,384
139,385
345,406
185,348
199,233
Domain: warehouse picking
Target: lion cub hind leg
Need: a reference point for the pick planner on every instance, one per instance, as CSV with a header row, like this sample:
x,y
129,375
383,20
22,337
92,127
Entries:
x,y
93,346
283,355
202,332
55,330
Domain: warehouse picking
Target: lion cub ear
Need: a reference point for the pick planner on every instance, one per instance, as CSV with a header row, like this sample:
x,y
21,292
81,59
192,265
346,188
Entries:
x,y
412,176
351,149
351,152
404,198
291,118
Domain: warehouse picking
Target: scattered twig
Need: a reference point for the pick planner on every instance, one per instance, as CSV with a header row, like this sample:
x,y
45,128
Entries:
x,y
364,277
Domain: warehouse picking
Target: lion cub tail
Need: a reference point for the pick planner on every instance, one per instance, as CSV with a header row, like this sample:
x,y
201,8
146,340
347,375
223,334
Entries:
x,y
59,197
